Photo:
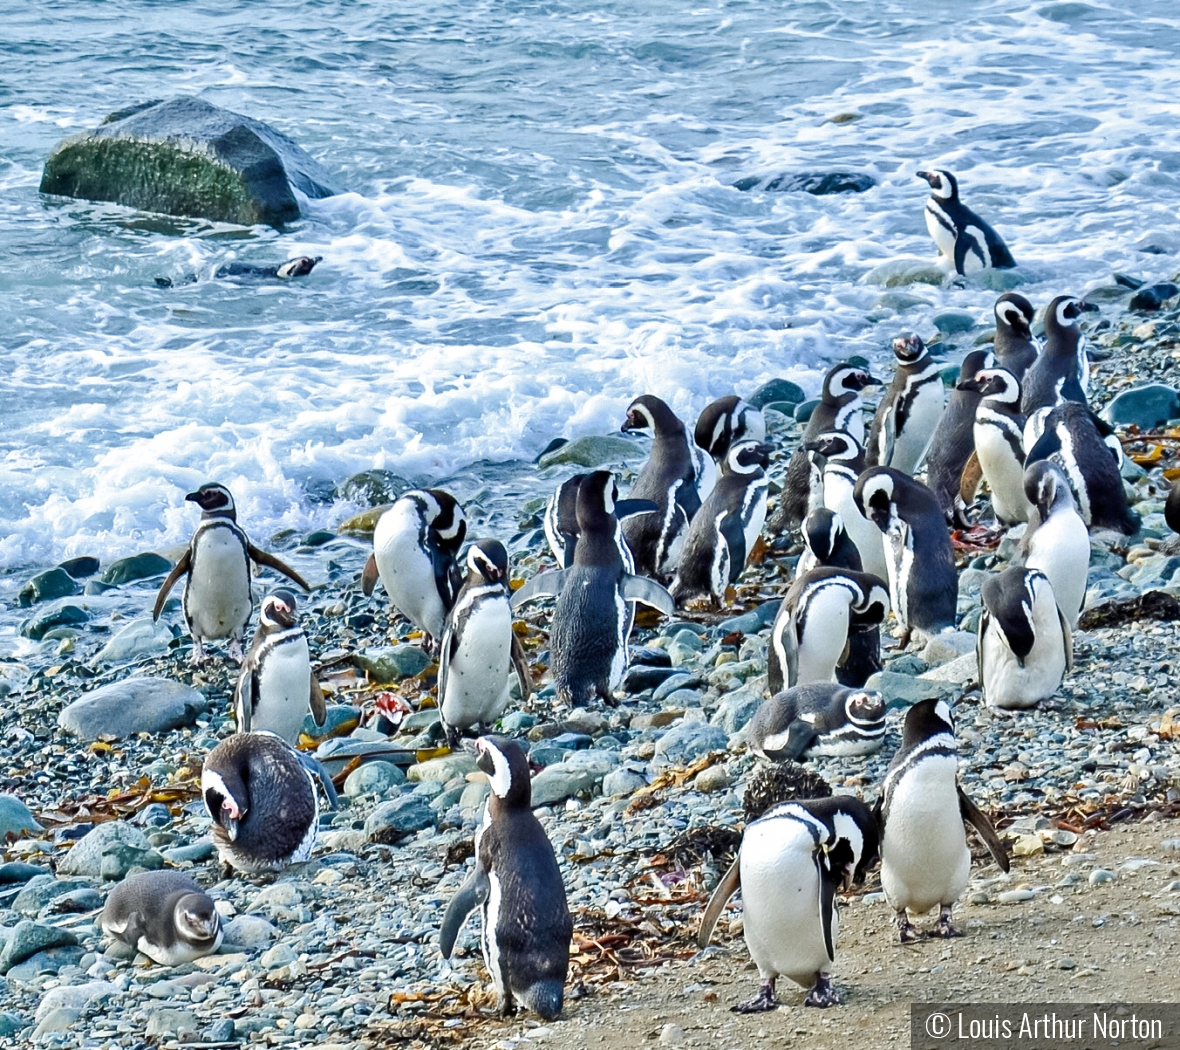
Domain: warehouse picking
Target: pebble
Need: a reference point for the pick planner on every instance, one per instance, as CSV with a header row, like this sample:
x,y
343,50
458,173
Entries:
x,y
672,1035
1017,896
247,931
1100,875
714,778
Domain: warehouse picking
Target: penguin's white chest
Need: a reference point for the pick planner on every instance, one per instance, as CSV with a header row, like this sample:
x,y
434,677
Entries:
x,y
1007,683
867,537
477,679
284,689
941,229
754,511
178,952
1060,548
1002,468
824,635
217,599
911,442
407,570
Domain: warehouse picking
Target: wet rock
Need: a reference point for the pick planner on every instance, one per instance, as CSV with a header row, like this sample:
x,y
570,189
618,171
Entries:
x,y
685,742
193,853
592,452
373,488
393,821
362,524
110,850
80,568
133,705
899,272
341,718
141,637
1147,406
393,663
139,567
42,890
951,322
440,770
1154,296
59,614
373,778
28,938
777,390
47,586
819,184
15,817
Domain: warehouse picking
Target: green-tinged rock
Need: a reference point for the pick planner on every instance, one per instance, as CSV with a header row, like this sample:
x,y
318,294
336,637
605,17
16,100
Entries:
x,y
340,719
185,156
901,690
46,586
28,938
440,770
374,488
777,390
1000,280
15,817
950,322
139,567
803,412
394,663
393,821
60,614
1146,407
80,568
592,451
900,272
125,845
373,778
133,705
364,523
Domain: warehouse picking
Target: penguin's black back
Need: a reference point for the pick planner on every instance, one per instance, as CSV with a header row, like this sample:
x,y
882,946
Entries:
x,y
954,438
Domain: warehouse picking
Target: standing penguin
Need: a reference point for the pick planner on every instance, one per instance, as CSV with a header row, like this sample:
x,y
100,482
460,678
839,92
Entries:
x,y
517,886
954,438
1057,541
999,441
1014,346
817,719
722,424
843,463
924,856
561,521
163,914
217,599
669,480
789,867
588,638
908,415
923,583
723,533
968,243
479,648
1024,645
415,555
1062,370
827,544
277,684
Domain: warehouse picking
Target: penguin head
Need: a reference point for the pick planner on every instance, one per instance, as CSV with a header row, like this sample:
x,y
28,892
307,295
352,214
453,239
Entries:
x,y
874,496
822,531
747,457
278,609
300,266
1046,487
857,842
1064,311
846,379
926,719
909,348
972,365
648,412
441,511
226,796
195,918
726,420
507,768
943,184
834,445
995,384
597,495
488,559
872,606
214,500
1015,313
864,707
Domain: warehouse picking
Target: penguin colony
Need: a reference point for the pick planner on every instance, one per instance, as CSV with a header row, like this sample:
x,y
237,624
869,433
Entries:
x,y
874,516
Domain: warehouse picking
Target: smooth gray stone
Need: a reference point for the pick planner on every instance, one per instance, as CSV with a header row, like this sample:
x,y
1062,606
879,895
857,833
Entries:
x,y
373,778
393,821
247,931
133,705
74,997
42,889
558,782
592,452
116,840
193,853
736,708
137,567
51,961
59,614
29,938
622,781
902,690
687,741
141,637
15,871
394,663
46,586
15,817
1147,406
167,1023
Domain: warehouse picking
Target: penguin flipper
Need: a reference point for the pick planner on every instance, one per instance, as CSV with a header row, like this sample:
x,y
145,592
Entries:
x,y
969,479
178,570
734,535
791,649
469,896
827,900
641,589
800,736
370,576
975,817
319,708
730,883
1066,638
245,697
261,557
520,663
628,508
318,771
447,579
543,585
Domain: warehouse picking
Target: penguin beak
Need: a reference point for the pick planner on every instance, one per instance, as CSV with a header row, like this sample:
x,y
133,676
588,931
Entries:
x,y
193,497
1087,307
927,176
968,384
632,422
231,828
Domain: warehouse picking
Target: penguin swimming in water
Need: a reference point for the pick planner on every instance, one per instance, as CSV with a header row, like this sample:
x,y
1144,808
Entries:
x,y
908,415
923,582
954,438
924,856
724,423
1062,370
277,685
827,544
300,266
1057,541
724,532
964,239
843,463
163,914
999,441
591,623
790,865
1014,346
217,600
817,719
479,648
517,886
415,555
1024,644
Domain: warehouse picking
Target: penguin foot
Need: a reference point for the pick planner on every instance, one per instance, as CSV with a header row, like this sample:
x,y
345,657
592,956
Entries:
x,y
506,1007
454,738
198,656
944,928
236,652
762,1002
907,932
823,994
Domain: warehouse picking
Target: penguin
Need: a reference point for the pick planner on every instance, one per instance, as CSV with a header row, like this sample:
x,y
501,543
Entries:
x,y
827,544
966,241
300,266
817,719
725,422
925,860
164,915
561,521
517,886
923,584
415,555
954,438
1071,441
815,626
999,441
908,415
1014,346
479,648
791,862
263,803
217,600
591,623
724,532
843,462
1024,645
840,408
1061,371
669,480
1057,541
277,685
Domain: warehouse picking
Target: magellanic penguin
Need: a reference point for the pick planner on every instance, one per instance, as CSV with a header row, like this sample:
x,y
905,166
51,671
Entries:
x,y
908,415
924,856
163,914
517,886
1061,371
1057,541
1024,645
1014,346
923,583
722,535
817,625
722,424
217,598
1071,441
277,685
415,555
840,408
999,441
827,544
561,521
843,463
263,803
669,480
791,863
479,648
300,266
817,719
968,243
954,439
591,623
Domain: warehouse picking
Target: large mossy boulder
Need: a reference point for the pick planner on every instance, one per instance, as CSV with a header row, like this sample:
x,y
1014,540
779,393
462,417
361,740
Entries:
x,y
185,156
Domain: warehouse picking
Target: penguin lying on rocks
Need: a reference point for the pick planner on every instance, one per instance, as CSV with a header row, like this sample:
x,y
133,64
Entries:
x,y
163,914
791,863
963,238
908,415
819,718
300,266
954,438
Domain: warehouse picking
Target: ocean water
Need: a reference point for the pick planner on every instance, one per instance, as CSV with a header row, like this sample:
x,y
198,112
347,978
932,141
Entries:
x,y
540,223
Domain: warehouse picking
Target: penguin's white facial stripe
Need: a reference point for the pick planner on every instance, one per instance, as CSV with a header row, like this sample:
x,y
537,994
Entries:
x,y
211,781
1067,312
943,710
195,927
610,492
641,410
501,778
481,563
1011,315
847,829
943,185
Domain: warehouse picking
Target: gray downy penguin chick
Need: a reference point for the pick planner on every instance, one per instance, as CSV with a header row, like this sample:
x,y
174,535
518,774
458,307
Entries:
x,y
954,439
217,600
277,686
817,719
999,441
1062,370
843,462
1014,347
164,915
791,863
908,415
1057,541
967,242
517,886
